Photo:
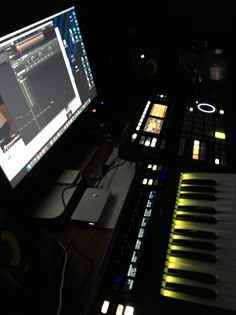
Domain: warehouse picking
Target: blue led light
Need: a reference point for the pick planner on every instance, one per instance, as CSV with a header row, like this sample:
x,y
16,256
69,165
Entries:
x,y
165,168
117,279
163,175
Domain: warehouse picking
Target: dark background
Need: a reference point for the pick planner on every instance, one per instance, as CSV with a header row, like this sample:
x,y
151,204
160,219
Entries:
x,y
116,33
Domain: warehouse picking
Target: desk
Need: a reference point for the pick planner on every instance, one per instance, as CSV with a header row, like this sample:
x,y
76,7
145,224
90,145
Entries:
x,y
68,283
75,279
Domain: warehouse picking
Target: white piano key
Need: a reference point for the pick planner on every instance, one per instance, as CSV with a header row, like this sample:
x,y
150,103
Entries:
x,y
221,242
183,264
223,288
222,301
218,253
226,279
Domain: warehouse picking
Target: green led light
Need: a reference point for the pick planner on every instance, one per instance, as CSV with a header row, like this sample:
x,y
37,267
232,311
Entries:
x,y
219,135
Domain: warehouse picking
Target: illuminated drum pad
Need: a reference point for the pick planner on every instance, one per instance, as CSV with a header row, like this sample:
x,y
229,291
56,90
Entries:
x,y
203,135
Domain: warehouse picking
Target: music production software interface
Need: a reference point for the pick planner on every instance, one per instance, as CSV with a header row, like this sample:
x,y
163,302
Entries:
x,y
45,83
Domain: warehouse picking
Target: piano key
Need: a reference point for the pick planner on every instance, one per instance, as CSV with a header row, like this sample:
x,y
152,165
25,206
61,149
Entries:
x,y
191,239
196,218
196,233
222,205
223,282
199,188
224,236
221,269
223,302
198,209
222,228
222,180
195,244
197,196
220,219
197,181
177,237
205,263
192,290
194,275
194,255
226,239
228,288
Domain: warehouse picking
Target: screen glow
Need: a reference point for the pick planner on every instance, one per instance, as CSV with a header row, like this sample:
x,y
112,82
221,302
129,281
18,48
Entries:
x,y
153,125
158,110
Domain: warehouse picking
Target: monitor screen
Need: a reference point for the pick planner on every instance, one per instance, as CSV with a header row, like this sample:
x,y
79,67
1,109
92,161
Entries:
x,y
45,83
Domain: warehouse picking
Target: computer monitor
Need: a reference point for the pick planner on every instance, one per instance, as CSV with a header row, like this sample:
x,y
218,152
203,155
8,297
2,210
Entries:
x,y
45,84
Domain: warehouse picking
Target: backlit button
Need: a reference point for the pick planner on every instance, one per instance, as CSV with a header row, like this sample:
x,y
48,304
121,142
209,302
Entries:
x,y
129,310
119,310
105,306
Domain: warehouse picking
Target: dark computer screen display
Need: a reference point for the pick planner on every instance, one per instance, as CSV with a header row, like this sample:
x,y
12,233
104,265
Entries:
x,y
45,83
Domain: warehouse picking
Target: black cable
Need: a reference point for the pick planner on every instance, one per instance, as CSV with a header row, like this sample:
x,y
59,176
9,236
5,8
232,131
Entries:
x,y
64,190
83,182
87,258
107,171
70,242
65,254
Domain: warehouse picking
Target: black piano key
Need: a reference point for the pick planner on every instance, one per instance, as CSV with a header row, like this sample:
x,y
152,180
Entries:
x,y
207,182
199,209
195,244
194,255
193,275
206,189
192,290
196,218
208,197
196,233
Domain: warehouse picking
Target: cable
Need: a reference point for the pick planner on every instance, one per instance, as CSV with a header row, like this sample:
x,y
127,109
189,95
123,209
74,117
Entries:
x,y
67,246
60,295
63,193
96,184
82,182
88,259
111,168
65,254
70,242
62,285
